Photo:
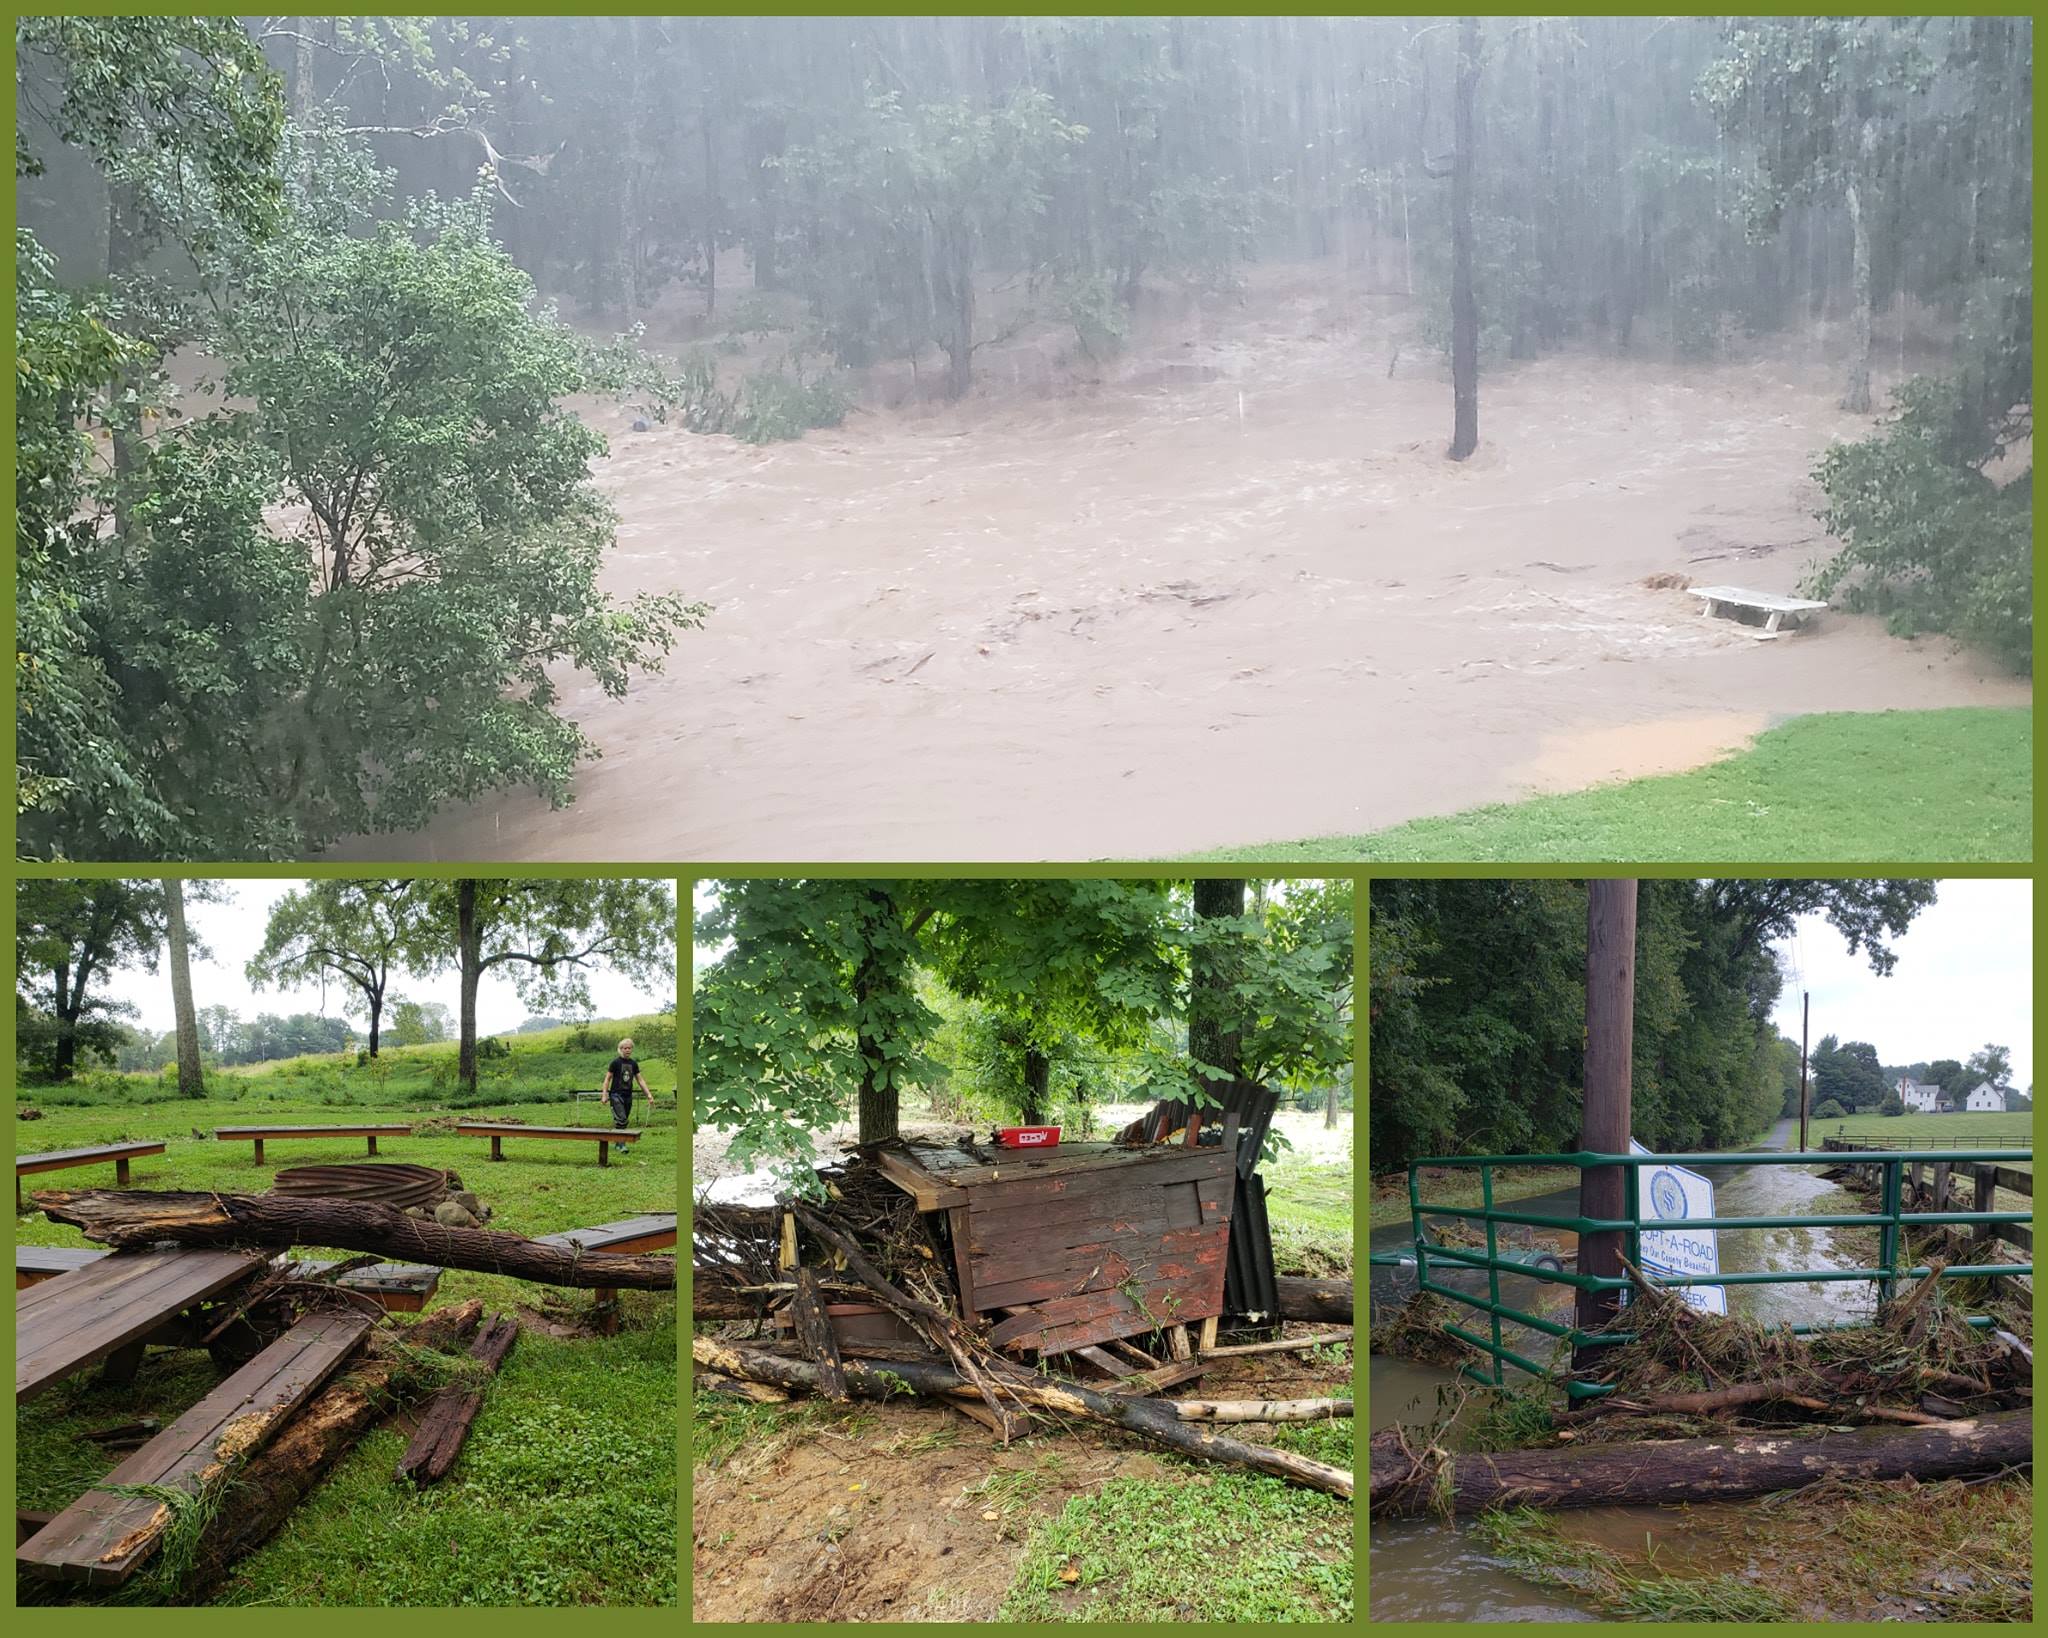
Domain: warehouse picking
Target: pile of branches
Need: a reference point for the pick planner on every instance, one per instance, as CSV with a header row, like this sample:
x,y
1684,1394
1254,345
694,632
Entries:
x,y
1917,1364
866,1242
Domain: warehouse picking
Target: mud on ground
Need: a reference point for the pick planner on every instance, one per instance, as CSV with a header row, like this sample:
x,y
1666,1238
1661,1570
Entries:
x,y
845,1519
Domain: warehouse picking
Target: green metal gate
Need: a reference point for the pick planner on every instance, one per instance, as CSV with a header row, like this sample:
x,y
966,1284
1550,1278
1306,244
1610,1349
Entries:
x,y
1889,1218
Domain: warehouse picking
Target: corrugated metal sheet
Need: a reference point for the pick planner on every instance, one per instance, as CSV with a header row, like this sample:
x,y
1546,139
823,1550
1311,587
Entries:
x,y
1249,1290
389,1185
1252,1103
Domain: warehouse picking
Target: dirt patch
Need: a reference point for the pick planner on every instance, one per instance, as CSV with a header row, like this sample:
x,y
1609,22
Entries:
x,y
852,1522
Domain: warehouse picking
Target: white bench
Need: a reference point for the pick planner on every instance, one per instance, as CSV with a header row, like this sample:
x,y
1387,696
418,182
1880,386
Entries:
x,y
1717,599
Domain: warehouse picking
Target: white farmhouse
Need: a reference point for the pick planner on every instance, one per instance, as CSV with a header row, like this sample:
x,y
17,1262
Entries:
x,y
1986,1097
1918,1097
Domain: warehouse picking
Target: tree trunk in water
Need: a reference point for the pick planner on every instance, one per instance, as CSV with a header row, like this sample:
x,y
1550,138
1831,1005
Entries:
x,y
1215,1032
710,221
1856,397
1689,1470
1037,1082
469,942
958,336
1151,1418
1329,1301
191,1077
138,1217
270,1486
1464,301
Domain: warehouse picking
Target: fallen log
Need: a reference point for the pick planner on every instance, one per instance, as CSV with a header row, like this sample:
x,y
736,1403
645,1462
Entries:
x,y
1687,1470
1325,1302
1286,1345
275,1480
1152,1418
444,1425
1260,1410
140,1217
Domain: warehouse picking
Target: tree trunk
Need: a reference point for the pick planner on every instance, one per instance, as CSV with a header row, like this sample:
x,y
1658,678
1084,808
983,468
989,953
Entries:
x,y
135,1217
1153,1419
191,1077
1690,1470
710,220
469,940
878,1103
1037,1085
1325,1301
1464,301
64,1051
376,999
1330,1106
270,1486
1604,1115
1260,1410
444,1424
1215,1031
764,142
957,335
1856,396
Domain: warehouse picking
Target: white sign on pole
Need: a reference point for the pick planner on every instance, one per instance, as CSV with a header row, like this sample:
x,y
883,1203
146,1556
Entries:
x,y
1670,1195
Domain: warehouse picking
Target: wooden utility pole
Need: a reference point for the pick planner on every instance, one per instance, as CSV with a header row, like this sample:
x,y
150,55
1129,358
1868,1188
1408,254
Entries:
x,y
1805,1026
1604,1115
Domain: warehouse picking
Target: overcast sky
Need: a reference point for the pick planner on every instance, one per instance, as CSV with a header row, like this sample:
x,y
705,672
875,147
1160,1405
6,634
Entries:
x,y
232,931
1965,976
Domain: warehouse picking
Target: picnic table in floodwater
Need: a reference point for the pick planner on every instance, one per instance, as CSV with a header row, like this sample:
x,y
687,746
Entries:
x,y
1778,608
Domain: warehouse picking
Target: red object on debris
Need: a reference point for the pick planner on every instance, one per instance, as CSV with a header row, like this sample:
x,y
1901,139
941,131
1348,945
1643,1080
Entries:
x,y
1027,1137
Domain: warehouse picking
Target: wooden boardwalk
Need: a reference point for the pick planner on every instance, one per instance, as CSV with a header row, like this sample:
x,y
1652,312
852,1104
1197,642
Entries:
x,y
104,1537
63,1325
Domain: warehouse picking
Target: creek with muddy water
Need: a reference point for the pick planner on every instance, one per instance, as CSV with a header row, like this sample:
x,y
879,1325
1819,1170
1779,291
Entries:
x,y
1427,1570
1222,591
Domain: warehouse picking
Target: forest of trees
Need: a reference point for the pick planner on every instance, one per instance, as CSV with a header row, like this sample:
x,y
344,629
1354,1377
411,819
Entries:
x,y
546,937
828,1000
352,220
1477,993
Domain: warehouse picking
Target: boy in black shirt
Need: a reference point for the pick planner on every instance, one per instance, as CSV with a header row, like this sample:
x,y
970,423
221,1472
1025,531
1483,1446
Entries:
x,y
621,1075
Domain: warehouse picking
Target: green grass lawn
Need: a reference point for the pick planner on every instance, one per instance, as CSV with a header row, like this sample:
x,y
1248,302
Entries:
x,y
1952,785
1461,1186
566,1491
1961,1131
1309,1210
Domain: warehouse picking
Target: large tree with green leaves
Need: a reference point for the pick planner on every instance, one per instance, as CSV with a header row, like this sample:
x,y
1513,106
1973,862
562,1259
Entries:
x,y
547,936
354,929
70,936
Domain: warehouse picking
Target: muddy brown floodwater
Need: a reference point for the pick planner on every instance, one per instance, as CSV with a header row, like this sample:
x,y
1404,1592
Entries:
x,y
1428,1570
1232,594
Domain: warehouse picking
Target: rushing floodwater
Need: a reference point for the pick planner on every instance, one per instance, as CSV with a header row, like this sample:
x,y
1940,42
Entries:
x,y
1124,617
1425,1570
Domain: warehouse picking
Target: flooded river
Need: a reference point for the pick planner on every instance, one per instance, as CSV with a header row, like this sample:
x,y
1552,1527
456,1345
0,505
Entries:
x,y
1425,1570
1030,625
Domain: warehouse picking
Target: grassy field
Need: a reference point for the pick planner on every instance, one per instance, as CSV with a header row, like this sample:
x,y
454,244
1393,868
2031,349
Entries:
x,y
1988,1129
566,1491
1839,787
1460,1186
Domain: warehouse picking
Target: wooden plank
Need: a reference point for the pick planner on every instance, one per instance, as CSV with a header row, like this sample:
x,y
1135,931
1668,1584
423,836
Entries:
x,y
1155,1306
1107,1363
36,1263
650,1231
2018,1182
589,1134
61,1326
1136,1174
926,1191
1139,1210
51,1160
963,1261
1189,1260
103,1538
235,1134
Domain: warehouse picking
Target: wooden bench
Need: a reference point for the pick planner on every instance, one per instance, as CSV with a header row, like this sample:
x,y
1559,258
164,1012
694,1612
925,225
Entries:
x,y
109,1308
602,1136
105,1536
403,1288
52,1160
650,1231
1716,599
257,1134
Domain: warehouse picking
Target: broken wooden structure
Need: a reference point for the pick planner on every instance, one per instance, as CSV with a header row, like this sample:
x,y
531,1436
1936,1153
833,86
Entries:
x,y
1080,1279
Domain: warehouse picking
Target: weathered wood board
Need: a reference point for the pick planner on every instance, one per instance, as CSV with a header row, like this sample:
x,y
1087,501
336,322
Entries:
x,y
104,1537
63,1325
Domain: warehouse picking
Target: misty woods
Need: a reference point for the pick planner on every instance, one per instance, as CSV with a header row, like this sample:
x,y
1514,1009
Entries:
x,y
338,591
